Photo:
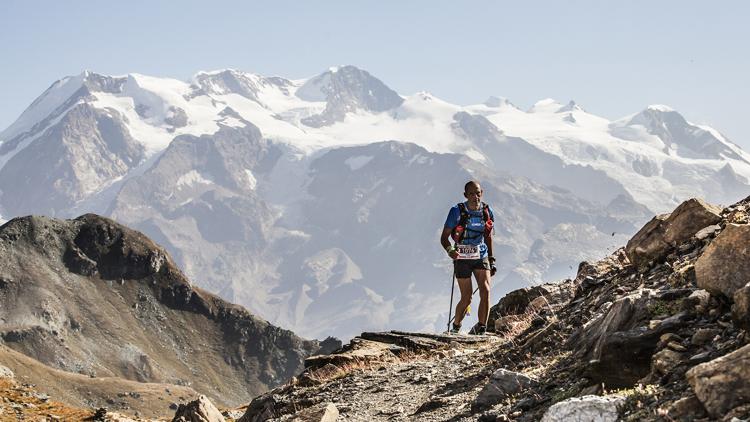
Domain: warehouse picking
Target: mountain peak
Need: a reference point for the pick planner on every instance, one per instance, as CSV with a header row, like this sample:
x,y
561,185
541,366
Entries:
x,y
497,102
680,136
46,104
571,106
232,81
660,107
547,105
346,89
215,72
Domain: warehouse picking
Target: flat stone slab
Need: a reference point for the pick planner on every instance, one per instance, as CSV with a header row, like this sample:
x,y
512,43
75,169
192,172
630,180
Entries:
x,y
386,346
395,336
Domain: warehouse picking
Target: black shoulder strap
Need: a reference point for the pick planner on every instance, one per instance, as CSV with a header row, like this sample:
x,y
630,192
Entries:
x,y
486,212
464,214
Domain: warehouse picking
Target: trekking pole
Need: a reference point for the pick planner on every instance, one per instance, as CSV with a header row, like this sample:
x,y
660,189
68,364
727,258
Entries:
x,y
450,308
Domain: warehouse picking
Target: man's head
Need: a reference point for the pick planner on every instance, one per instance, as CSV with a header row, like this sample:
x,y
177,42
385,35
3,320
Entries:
x,y
473,192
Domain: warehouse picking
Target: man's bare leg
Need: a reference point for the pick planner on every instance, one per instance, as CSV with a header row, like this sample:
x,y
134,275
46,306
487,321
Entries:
x,y
483,281
464,284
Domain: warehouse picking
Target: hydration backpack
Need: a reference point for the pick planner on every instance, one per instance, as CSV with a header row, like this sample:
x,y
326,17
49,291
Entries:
x,y
460,231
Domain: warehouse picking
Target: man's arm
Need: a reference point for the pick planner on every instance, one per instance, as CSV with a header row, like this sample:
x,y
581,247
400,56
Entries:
x,y
488,242
446,243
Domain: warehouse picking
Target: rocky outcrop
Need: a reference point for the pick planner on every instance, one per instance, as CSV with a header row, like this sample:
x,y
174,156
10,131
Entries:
x,y
357,351
382,347
723,383
586,408
686,408
199,410
665,232
665,360
528,299
326,413
618,344
503,383
724,266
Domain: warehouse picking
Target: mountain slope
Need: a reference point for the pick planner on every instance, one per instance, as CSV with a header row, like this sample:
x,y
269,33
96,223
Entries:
x,y
150,400
90,296
321,271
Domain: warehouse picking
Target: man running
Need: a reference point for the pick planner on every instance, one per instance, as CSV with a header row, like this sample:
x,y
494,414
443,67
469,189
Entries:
x,y
470,225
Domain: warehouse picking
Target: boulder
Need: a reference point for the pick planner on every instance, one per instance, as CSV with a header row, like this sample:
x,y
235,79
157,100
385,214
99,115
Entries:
x,y
741,307
725,264
648,243
618,345
262,408
686,408
697,302
509,324
358,351
586,408
723,383
502,384
518,301
666,231
665,360
704,336
514,303
200,410
707,231
327,413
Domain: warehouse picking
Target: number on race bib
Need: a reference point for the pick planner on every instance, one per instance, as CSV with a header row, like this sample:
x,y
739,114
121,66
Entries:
x,y
467,251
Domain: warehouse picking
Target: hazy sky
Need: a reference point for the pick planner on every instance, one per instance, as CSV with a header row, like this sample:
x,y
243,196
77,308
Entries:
x,y
613,58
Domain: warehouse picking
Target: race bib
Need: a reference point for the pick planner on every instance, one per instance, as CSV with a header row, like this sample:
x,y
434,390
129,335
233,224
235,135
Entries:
x,y
467,251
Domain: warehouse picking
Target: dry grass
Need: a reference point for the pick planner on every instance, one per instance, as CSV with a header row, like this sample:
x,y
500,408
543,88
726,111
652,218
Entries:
x,y
543,364
151,400
515,325
22,402
639,402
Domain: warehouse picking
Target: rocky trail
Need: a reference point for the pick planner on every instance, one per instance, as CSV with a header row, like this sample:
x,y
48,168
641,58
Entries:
x,y
392,376
655,331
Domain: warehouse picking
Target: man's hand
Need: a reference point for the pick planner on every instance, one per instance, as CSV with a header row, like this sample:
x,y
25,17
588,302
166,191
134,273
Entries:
x,y
493,268
452,252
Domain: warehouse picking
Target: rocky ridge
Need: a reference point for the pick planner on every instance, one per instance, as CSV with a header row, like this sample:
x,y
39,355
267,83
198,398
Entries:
x,y
97,300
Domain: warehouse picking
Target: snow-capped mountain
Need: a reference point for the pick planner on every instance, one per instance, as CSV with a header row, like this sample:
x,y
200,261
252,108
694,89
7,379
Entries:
x,y
317,203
